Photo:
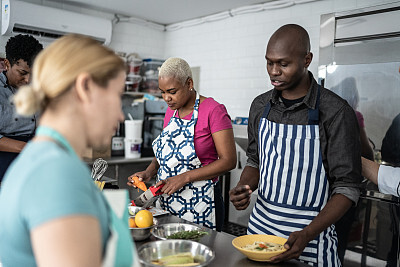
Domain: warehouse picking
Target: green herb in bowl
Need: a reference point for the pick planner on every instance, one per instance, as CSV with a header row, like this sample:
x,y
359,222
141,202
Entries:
x,y
192,235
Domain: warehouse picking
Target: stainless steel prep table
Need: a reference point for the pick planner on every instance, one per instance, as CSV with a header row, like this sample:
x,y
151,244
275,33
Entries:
x,y
221,243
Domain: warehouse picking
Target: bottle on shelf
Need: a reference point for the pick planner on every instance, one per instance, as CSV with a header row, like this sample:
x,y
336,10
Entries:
x,y
117,142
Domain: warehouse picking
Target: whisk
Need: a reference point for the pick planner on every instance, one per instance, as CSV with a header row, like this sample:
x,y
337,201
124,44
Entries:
x,y
99,168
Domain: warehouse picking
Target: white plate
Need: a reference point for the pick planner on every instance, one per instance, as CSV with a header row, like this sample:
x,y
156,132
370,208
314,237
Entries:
x,y
155,211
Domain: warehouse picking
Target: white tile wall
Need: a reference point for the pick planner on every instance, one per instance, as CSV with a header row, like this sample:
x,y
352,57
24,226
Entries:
x,y
132,38
127,37
230,52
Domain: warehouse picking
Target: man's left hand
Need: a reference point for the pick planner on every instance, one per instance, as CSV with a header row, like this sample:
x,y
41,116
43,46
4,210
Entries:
x,y
295,245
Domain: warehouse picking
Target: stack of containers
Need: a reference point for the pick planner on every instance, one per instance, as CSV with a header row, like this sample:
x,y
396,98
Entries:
x,y
133,77
133,138
149,73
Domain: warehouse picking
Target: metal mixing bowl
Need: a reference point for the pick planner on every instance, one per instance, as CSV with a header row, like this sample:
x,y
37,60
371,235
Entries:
x,y
153,251
139,234
162,231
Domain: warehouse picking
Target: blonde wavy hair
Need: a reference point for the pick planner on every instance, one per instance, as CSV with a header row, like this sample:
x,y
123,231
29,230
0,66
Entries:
x,y
56,68
176,68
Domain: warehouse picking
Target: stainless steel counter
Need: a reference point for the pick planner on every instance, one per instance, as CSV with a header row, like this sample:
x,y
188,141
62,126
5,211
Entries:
x,y
221,243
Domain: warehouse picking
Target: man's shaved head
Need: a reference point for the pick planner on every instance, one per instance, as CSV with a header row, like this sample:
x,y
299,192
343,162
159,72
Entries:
x,y
292,37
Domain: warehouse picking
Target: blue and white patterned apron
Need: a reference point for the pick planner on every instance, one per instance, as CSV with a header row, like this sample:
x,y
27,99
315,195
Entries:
x,y
175,153
293,186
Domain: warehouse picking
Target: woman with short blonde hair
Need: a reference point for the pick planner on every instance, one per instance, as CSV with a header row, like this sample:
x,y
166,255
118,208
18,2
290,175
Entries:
x,y
195,147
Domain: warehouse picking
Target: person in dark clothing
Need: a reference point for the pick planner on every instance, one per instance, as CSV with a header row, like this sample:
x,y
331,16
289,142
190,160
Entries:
x,y
347,89
15,130
387,177
390,150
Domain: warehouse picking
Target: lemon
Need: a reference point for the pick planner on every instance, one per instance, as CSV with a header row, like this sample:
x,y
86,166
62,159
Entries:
x,y
144,219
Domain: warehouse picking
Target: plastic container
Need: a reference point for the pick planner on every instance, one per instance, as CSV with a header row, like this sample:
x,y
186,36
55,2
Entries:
x,y
117,146
241,120
134,66
132,82
133,148
150,84
133,129
151,67
152,64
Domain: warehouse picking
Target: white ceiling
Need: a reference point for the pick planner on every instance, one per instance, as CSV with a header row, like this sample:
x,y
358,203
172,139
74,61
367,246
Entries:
x,y
163,11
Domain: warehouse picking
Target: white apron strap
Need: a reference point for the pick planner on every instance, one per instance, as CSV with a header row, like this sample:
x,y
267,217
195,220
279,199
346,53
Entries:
x,y
120,249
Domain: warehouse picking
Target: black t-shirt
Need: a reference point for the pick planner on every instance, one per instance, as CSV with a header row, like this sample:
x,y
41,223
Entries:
x,y
291,102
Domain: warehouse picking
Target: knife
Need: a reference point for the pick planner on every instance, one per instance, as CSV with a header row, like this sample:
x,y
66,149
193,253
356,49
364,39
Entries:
x,y
148,197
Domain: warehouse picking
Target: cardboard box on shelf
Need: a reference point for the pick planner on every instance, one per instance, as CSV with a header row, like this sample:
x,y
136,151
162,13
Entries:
x,y
91,153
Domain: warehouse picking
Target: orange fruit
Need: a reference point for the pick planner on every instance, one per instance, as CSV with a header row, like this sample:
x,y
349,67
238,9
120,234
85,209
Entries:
x,y
144,219
132,223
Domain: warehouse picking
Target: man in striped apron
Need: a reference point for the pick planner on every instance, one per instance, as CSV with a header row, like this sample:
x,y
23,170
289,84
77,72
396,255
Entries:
x,y
303,155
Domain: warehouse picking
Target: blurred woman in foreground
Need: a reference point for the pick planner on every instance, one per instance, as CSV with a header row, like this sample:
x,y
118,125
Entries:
x,y
52,214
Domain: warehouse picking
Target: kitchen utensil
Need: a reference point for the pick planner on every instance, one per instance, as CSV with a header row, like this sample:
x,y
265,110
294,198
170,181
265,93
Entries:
x,y
100,184
148,197
153,251
99,168
244,240
164,230
139,234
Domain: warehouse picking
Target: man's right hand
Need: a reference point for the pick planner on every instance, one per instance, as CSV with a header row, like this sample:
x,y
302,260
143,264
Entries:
x,y
240,196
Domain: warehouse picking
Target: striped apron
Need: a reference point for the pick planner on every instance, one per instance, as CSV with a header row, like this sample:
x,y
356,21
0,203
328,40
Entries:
x,y
175,153
293,186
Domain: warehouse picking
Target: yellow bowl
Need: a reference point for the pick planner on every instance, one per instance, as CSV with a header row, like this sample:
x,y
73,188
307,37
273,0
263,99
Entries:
x,y
244,240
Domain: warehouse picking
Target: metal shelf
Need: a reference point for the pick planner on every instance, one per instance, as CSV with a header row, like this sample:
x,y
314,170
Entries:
x,y
141,94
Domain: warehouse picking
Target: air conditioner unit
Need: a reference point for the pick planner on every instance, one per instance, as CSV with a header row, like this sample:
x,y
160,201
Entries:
x,y
25,18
